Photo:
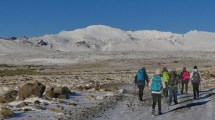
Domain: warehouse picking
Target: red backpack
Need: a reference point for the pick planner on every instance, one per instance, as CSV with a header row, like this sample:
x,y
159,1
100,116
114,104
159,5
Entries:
x,y
186,75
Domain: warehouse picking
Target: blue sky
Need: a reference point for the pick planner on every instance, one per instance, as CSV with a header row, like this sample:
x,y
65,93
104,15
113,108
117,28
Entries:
x,y
39,17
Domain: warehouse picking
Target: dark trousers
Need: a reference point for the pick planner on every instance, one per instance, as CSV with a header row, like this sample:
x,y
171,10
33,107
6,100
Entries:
x,y
195,90
173,91
184,83
156,98
165,91
141,88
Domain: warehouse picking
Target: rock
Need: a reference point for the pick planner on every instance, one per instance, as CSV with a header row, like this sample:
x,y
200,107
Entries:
x,y
87,87
72,104
6,113
61,90
21,105
37,102
63,96
36,106
122,91
50,94
29,89
99,97
80,88
27,109
111,89
55,110
6,97
13,93
97,86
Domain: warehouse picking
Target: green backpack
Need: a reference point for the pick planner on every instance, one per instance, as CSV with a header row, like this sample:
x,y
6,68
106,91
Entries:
x,y
165,76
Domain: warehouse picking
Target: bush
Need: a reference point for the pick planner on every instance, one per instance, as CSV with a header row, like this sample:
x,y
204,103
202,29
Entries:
x,y
19,72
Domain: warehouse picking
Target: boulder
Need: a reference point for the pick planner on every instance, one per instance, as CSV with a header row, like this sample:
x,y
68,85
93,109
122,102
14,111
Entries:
x,y
63,96
61,90
6,97
50,94
29,89
6,113
58,92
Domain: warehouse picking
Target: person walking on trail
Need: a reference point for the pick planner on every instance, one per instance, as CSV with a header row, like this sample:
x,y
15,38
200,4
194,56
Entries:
x,y
165,76
173,86
157,85
140,80
185,78
195,79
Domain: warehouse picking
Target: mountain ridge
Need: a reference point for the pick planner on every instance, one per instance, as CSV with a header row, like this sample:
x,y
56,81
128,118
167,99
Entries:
x,y
106,38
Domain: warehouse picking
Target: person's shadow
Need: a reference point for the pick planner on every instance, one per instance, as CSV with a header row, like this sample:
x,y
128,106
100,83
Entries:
x,y
190,105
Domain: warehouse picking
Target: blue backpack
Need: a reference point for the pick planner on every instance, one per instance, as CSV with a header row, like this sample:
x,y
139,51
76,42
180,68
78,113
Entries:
x,y
140,75
156,83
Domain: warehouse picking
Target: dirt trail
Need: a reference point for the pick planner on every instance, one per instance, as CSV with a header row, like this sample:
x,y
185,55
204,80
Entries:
x,y
130,108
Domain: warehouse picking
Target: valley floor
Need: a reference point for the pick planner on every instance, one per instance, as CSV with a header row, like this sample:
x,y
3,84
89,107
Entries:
x,y
115,72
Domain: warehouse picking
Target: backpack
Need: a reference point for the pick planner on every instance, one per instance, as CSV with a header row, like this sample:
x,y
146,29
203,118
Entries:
x,y
156,83
196,77
165,76
185,75
172,79
140,75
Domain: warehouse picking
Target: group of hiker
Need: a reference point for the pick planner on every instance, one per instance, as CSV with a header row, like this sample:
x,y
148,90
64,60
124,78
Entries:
x,y
167,83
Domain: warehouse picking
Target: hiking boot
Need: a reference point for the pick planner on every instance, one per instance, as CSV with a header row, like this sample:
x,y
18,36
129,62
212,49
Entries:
x,y
141,99
176,103
160,113
153,112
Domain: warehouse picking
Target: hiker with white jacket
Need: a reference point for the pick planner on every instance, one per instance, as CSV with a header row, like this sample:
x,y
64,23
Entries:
x,y
157,86
195,78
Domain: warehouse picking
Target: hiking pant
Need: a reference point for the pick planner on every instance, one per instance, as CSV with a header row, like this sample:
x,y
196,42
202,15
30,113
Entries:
x,y
156,98
141,88
195,90
165,91
173,91
184,82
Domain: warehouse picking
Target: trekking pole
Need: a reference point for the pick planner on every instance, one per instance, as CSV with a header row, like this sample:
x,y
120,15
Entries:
x,y
134,91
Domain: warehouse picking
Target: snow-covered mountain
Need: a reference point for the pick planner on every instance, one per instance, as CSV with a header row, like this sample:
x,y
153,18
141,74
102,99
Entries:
x,y
105,38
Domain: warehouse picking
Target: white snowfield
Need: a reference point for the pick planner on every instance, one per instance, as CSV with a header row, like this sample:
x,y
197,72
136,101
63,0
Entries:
x,y
105,38
67,47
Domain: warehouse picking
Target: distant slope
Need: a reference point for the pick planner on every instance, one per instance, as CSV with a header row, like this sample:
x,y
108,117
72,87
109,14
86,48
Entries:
x,y
105,38
7,46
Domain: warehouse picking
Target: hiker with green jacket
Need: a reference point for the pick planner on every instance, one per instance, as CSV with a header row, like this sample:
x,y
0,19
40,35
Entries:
x,y
140,80
165,76
157,85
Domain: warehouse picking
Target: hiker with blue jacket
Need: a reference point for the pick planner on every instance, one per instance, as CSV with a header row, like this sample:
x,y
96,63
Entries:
x,y
195,78
157,86
140,80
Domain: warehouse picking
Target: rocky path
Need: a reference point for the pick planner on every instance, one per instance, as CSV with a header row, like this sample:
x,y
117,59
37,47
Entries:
x,y
130,108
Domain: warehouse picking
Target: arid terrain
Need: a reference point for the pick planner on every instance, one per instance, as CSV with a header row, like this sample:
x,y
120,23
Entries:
x,y
101,85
